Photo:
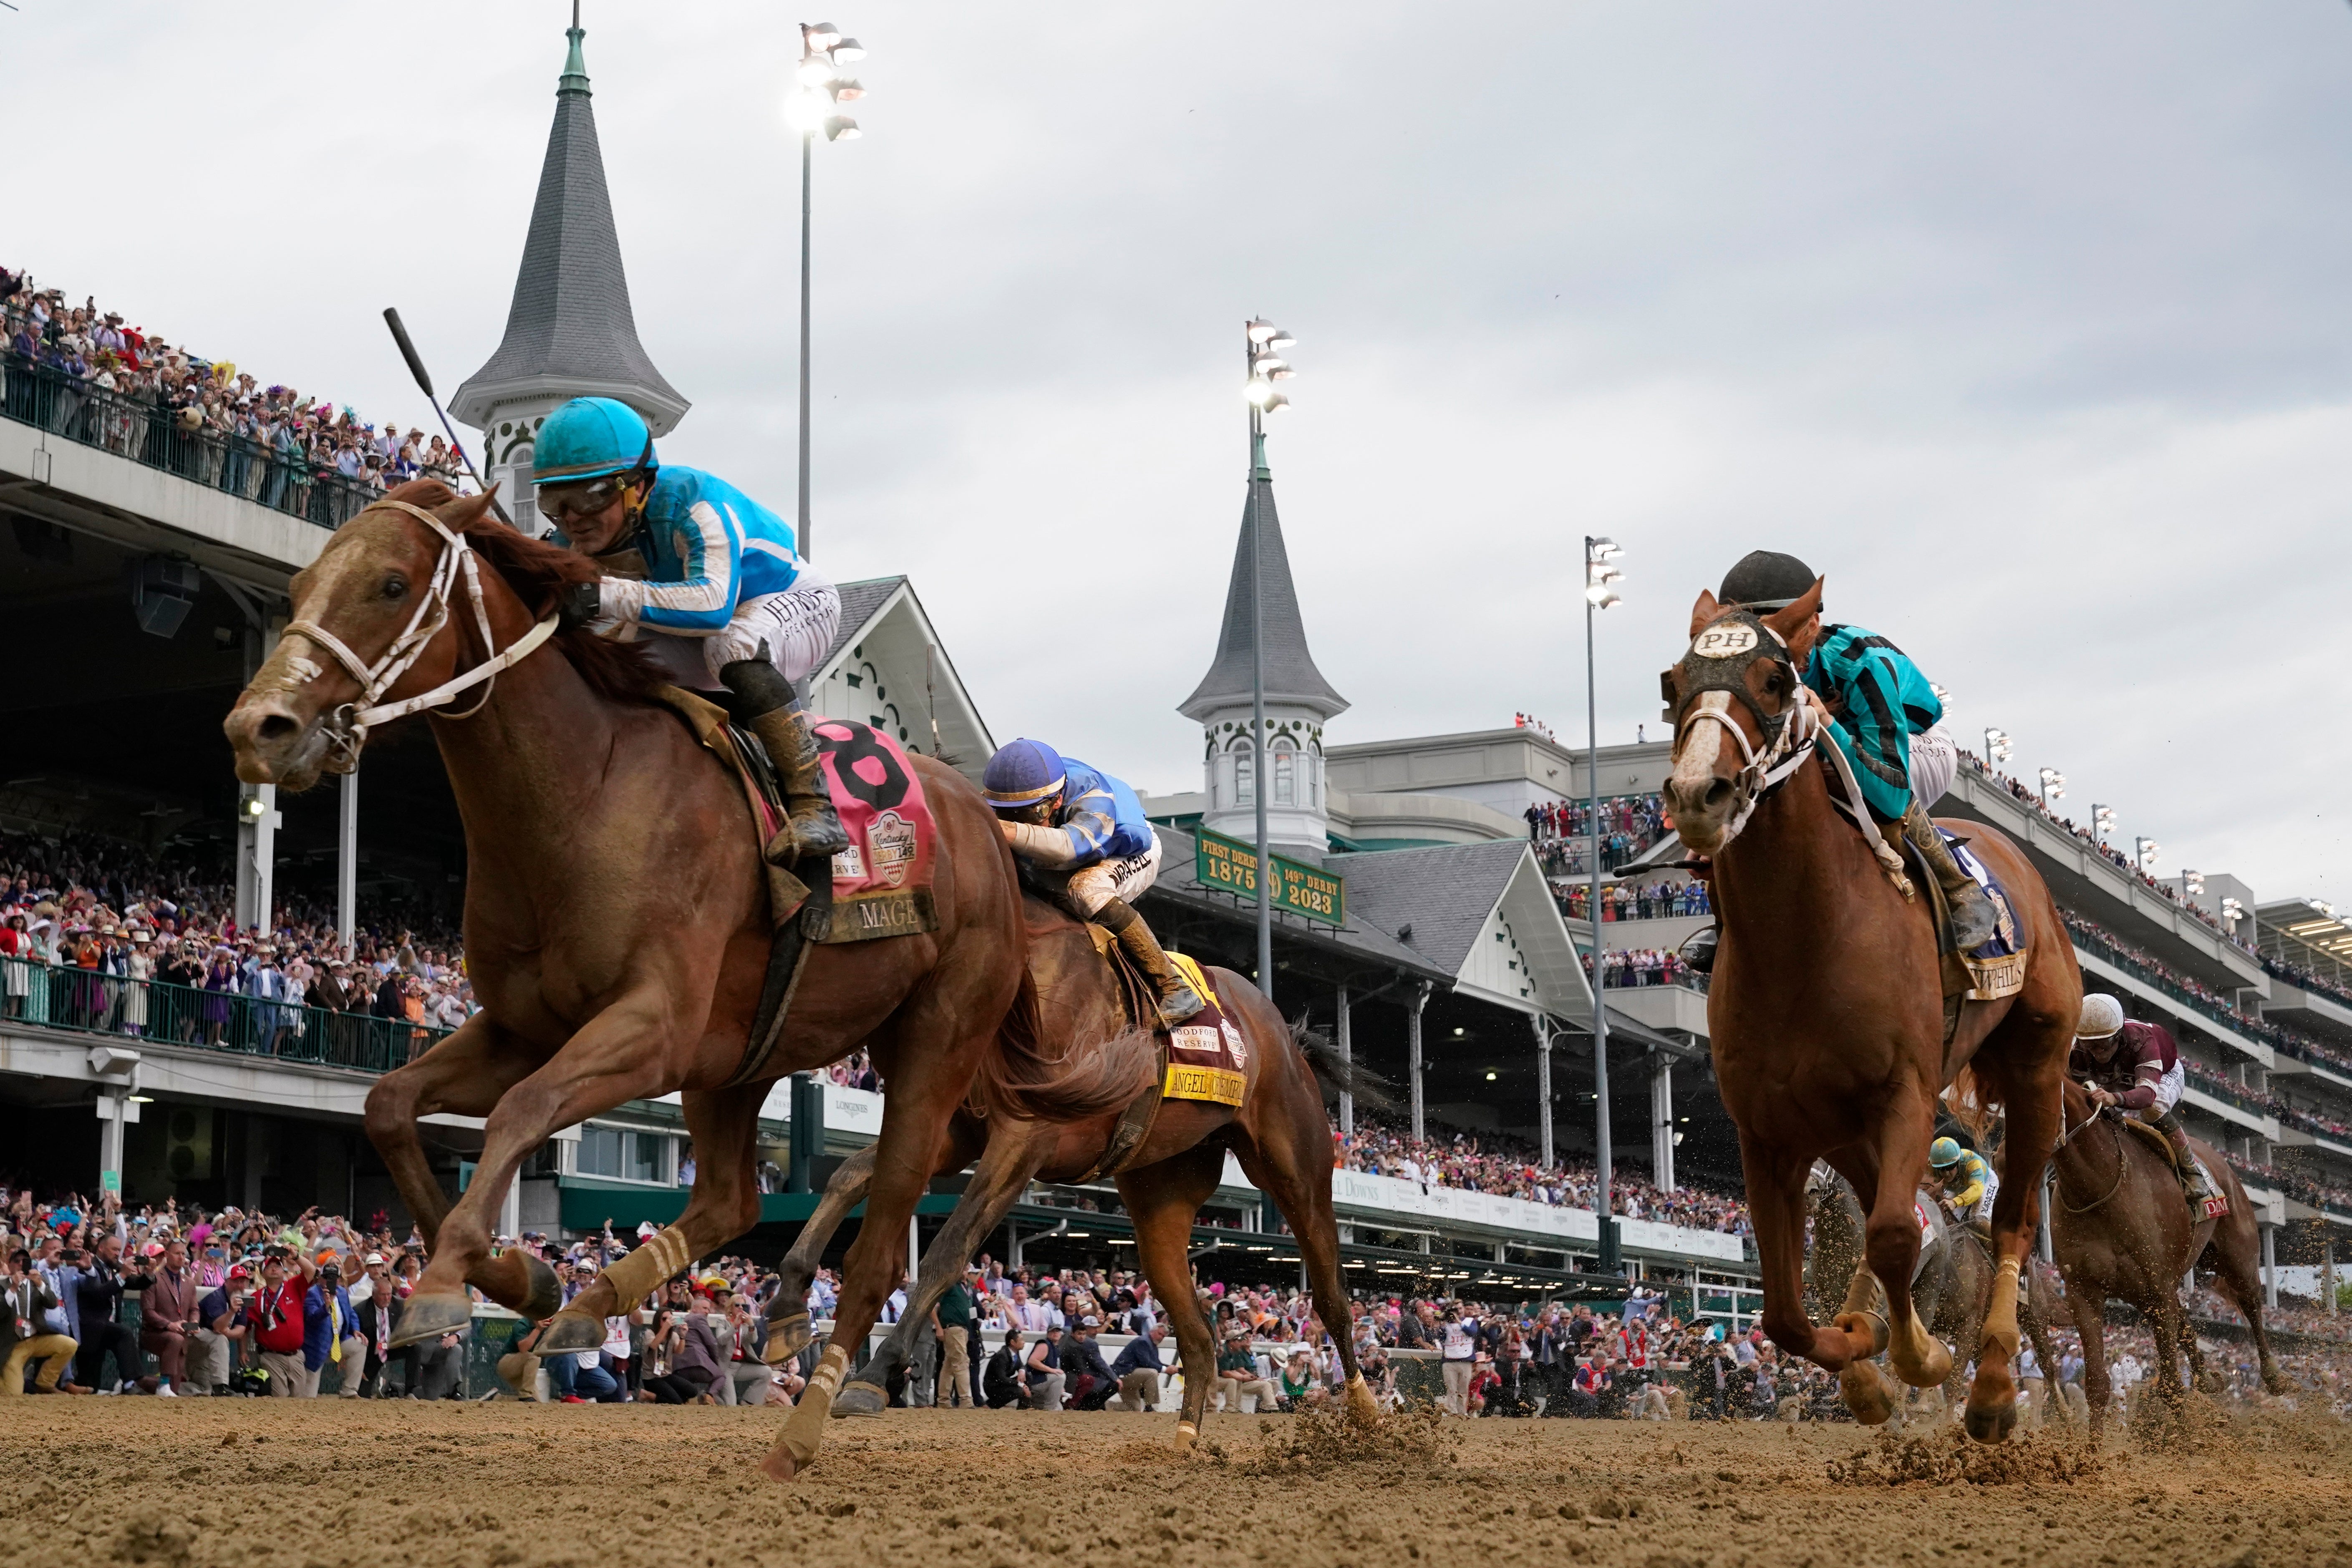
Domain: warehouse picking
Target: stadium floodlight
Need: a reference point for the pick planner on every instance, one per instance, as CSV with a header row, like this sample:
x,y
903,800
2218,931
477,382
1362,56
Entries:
x,y
1261,332
2145,852
1942,696
1997,746
2232,911
253,808
1266,368
2053,786
2192,883
810,110
2102,822
1599,575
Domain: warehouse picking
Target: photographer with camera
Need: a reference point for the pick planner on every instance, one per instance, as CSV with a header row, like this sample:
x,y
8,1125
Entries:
x,y
278,1320
218,1346
29,1310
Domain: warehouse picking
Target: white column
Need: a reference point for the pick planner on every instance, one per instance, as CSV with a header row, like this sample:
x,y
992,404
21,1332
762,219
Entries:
x,y
914,1249
1346,1055
256,829
347,859
113,1106
2327,1265
1662,1122
2048,1195
511,1208
1543,1085
1413,1049
2270,1264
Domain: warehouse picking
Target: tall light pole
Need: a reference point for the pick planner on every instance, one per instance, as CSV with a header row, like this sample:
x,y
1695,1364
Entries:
x,y
2145,852
810,110
1597,596
1262,344
1997,746
2053,786
2102,822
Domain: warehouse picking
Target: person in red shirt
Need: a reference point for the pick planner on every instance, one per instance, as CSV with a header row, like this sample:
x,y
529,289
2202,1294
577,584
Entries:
x,y
2136,1068
274,1315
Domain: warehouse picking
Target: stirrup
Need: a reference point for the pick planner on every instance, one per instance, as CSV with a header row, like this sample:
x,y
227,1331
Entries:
x,y
1974,920
815,826
1697,950
1179,1005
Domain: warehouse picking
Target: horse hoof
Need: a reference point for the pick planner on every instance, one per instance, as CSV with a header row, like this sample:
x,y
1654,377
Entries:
x,y
787,1337
1867,1330
1990,1424
429,1317
571,1331
1186,1435
859,1399
1865,1394
778,1465
543,1295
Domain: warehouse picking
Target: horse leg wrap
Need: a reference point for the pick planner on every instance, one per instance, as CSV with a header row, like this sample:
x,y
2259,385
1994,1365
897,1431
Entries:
x,y
1359,1398
1186,1435
1863,1312
805,1428
2000,1313
638,1274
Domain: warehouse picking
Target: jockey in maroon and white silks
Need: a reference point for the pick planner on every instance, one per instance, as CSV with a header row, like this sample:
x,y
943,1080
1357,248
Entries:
x,y
2137,1067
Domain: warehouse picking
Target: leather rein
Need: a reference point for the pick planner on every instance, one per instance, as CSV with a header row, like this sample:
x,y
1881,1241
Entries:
x,y
347,727
2066,1132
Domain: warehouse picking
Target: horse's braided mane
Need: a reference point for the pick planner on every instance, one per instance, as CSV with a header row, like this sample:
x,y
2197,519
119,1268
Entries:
x,y
536,571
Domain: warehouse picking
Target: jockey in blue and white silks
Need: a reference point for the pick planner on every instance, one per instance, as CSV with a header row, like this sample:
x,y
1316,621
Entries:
x,y
1086,835
707,578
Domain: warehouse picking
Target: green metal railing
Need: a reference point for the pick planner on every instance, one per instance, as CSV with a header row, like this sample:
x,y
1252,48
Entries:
x,y
89,1002
152,434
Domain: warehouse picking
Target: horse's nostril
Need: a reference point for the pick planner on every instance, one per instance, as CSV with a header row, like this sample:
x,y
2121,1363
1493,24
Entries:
x,y
277,727
1717,792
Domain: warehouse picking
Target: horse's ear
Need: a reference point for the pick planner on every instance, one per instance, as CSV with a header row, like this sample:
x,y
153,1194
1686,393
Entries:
x,y
1797,618
469,510
1703,614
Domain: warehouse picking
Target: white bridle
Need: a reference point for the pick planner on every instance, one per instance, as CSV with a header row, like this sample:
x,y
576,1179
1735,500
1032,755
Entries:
x,y
348,727
1761,770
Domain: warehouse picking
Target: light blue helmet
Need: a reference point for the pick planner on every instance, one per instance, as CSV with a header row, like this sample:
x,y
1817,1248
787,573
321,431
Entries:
x,y
1944,1152
1022,773
588,438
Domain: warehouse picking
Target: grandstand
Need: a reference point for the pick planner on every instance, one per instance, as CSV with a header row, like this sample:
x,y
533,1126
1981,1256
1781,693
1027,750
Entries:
x,y
1451,965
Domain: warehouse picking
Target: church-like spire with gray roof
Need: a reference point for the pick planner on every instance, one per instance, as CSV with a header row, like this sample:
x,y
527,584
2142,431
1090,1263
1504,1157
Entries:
x,y
1291,678
570,332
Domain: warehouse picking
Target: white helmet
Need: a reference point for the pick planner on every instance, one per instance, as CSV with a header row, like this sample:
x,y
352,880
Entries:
x,y
2102,1015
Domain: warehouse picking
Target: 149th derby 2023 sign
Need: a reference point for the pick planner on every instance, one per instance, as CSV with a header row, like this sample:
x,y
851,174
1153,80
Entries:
x,y
1231,865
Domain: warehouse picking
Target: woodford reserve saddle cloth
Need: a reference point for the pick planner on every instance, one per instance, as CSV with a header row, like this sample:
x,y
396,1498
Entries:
x,y
880,885
1204,1058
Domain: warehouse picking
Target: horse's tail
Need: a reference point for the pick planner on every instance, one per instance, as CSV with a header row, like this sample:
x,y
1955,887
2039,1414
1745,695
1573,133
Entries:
x,y
1338,1073
1019,1080
1970,1104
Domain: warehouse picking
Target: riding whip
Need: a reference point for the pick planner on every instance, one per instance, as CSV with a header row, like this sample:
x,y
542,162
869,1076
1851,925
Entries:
x,y
425,384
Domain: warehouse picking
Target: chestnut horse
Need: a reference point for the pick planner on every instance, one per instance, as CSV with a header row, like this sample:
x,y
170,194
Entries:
x,y
1825,1012
1952,1293
1279,1134
617,920
2120,1229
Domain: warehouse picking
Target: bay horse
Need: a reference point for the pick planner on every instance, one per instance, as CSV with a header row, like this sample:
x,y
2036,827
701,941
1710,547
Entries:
x,y
1825,1016
618,922
2121,1229
1952,1290
1279,1134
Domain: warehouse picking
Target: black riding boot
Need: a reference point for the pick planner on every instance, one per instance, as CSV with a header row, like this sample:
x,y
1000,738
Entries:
x,y
1974,920
766,704
2193,1184
1697,950
1178,1000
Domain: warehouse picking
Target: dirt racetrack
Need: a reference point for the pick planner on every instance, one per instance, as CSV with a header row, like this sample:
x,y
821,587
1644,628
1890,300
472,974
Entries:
x,y
324,1484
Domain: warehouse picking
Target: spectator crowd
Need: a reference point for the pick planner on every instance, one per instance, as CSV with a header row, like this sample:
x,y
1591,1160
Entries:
x,y
85,941
80,372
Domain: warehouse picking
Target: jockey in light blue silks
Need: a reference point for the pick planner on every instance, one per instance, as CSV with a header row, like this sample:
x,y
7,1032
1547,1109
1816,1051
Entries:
x,y
708,578
1887,720
1085,834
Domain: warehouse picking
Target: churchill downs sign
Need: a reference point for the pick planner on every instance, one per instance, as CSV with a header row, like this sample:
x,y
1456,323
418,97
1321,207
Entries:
x,y
1231,865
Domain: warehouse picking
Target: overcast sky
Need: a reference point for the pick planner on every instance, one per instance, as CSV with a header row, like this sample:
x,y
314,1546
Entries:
x,y
2025,324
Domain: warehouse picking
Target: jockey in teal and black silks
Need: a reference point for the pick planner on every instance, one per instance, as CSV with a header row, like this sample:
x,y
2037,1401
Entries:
x,y
705,578
1085,834
1887,720
1881,701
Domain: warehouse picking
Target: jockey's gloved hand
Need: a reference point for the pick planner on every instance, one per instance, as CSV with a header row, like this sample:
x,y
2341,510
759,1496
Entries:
x,y
577,604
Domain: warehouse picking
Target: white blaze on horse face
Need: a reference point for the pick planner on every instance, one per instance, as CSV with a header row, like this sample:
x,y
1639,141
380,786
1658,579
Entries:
x,y
1702,743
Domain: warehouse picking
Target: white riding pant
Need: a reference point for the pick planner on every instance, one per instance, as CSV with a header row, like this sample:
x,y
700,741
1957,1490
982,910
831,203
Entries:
x,y
2169,1088
1094,886
1934,763
1983,1207
798,625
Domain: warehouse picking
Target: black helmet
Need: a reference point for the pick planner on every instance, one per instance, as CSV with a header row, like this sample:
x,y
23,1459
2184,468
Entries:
x,y
1766,580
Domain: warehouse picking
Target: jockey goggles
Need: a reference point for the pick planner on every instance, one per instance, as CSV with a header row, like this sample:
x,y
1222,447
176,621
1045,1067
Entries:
x,y
557,502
